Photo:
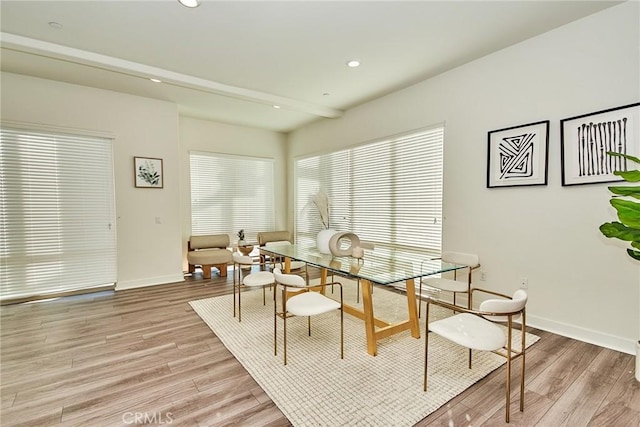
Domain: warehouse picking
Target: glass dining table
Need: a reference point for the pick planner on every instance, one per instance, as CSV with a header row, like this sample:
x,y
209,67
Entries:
x,y
383,266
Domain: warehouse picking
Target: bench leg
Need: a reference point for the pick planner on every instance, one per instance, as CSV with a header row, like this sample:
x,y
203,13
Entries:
x,y
223,269
206,271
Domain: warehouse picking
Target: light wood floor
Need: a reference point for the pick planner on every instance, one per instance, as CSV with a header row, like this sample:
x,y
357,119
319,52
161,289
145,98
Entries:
x,y
143,355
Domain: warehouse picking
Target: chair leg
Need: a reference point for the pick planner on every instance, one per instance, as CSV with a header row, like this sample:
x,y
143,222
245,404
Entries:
x,y
234,291
420,299
239,303
523,350
508,385
309,324
285,335
426,345
341,325
275,324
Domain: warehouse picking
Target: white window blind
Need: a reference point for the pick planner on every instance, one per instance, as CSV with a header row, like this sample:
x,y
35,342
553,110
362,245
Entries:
x,y
388,192
229,193
57,215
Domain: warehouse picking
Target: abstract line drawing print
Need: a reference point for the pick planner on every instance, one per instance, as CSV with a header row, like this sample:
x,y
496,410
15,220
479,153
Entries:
x,y
516,157
594,140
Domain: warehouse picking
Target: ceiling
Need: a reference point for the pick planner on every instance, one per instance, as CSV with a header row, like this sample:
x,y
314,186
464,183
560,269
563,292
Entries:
x,y
232,61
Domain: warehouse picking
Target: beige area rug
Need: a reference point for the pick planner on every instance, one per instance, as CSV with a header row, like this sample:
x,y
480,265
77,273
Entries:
x,y
317,388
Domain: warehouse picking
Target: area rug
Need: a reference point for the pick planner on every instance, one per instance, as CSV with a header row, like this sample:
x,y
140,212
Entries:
x,y
317,388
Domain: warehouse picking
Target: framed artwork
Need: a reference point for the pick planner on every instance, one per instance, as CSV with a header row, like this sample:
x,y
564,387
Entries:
x,y
586,139
147,172
518,155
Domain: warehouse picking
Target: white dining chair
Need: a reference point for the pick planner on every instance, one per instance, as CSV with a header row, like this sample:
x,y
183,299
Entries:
x,y
244,278
477,330
470,263
305,302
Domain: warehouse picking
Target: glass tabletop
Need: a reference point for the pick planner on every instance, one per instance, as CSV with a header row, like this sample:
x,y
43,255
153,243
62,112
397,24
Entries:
x,y
380,265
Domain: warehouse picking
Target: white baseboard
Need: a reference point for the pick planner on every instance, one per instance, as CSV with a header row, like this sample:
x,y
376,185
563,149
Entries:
x,y
149,281
624,345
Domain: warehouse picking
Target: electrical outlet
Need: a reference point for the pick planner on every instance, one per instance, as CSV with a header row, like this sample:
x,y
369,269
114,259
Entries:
x,y
483,275
524,283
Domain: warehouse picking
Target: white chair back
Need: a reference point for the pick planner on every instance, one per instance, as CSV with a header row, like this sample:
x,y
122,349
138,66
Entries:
x,y
278,243
517,303
288,279
460,258
242,259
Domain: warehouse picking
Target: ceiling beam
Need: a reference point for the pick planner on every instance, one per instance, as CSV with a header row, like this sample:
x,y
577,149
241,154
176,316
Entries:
x,y
109,63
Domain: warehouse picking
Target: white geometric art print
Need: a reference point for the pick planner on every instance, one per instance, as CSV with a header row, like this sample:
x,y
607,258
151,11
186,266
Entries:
x,y
518,155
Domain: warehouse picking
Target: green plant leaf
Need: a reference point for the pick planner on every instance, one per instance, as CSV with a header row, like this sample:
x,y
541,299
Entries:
x,y
629,176
620,231
634,254
630,191
628,212
636,244
626,156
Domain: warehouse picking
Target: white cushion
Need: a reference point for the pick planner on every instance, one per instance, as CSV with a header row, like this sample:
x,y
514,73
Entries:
x,y
289,279
472,260
446,284
242,259
279,243
470,331
518,301
297,265
310,304
209,256
260,278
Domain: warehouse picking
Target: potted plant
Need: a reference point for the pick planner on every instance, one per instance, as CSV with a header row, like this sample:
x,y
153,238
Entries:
x,y
628,228
241,241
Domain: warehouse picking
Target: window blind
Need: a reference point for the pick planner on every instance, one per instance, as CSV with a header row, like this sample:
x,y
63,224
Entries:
x,y
388,191
57,213
229,193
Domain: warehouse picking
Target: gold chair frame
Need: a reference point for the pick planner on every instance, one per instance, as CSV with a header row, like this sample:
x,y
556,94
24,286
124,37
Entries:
x,y
284,314
510,353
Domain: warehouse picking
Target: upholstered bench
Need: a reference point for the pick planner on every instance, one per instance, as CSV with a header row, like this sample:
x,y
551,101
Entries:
x,y
209,251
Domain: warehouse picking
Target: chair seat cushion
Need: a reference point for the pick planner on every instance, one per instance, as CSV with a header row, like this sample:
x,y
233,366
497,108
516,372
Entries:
x,y
297,265
210,256
470,331
310,304
260,278
445,284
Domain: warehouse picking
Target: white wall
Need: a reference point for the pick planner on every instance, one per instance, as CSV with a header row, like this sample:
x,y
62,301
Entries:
x,y
148,253
203,135
580,283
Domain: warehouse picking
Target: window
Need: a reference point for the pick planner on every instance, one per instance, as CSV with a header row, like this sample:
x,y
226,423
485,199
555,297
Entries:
x,y
229,193
57,213
388,191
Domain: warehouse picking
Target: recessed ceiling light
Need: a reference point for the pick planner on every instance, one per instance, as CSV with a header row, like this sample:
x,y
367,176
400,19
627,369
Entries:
x,y
156,80
56,25
326,94
190,3
353,63
276,106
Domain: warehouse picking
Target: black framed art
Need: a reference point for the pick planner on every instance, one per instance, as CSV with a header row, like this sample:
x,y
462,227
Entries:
x,y
518,155
148,172
586,139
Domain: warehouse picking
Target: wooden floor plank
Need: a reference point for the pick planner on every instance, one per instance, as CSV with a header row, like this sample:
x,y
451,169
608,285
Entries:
x,y
97,359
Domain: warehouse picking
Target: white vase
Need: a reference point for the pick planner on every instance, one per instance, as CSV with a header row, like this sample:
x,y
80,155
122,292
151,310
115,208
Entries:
x,y
322,240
